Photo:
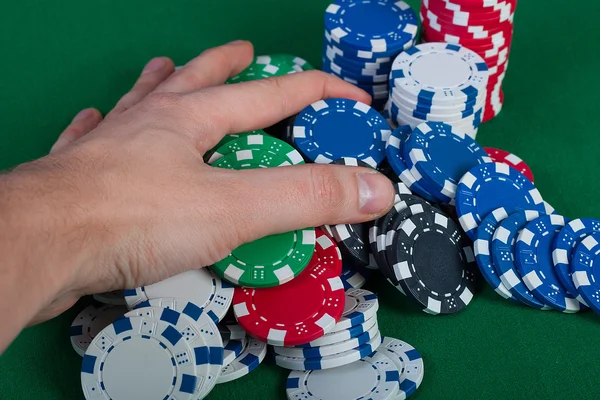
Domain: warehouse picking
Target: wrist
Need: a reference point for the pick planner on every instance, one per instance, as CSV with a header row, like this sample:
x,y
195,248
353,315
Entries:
x,y
35,236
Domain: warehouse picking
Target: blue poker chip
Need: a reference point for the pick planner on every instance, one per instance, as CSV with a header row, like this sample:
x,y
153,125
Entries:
x,y
334,128
584,268
371,25
395,158
492,185
503,250
352,279
564,248
360,56
352,76
483,250
442,156
336,55
534,262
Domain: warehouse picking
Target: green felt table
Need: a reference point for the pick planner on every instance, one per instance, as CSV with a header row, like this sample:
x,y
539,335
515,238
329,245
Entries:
x,y
61,56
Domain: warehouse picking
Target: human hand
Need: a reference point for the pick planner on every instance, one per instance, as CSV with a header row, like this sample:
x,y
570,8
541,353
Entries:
x,y
133,202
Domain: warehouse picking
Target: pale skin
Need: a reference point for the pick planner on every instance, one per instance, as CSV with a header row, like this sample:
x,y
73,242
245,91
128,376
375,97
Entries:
x,y
126,200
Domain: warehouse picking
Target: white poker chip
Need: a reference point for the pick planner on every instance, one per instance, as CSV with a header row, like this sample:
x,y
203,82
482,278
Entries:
x,y
204,325
115,298
232,349
199,286
409,363
330,361
89,322
249,360
329,349
360,306
374,377
417,73
160,354
340,336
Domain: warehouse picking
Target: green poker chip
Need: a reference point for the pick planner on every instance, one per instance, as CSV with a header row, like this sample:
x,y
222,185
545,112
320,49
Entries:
x,y
261,70
270,261
298,64
230,138
251,158
258,142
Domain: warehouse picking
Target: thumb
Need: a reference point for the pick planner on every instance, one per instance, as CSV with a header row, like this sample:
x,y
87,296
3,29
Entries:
x,y
287,198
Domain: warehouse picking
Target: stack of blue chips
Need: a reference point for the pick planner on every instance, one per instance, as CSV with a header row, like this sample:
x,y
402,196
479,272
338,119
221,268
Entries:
x,y
362,40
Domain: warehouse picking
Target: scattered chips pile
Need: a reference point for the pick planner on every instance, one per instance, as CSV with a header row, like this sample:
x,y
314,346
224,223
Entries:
x,y
484,26
363,38
438,82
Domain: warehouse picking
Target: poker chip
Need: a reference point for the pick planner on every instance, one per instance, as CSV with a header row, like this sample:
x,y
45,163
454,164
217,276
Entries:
x,y
113,298
442,278
89,322
331,361
385,241
230,330
492,185
370,25
395,157
563,250
329,349
229,138
260,142
533,258
199,286
232,349
503,250
442,156
108,369
250,159
270,261
353,241
510,159
409,363
352,279
204,327
483,250
285,61
340,336
373,377
272,314
484,27
246,362
585,271
334,128
262,68
360,305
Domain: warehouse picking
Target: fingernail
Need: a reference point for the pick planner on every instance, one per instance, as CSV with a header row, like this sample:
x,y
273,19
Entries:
x,y
154,65
237,42
84,114
375,193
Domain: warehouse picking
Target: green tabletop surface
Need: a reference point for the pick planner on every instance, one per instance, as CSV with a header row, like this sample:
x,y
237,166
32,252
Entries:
x,y
61,56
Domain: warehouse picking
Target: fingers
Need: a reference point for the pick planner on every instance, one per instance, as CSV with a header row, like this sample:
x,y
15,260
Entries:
x,y
282,199
154,73
212,67
253,105
84,122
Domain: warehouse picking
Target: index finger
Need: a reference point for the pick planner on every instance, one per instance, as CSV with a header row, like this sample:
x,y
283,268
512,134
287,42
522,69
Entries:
x,y
247,106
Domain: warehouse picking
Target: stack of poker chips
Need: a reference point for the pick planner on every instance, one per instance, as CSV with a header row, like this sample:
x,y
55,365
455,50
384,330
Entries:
x,y
438,82
363,38
484,26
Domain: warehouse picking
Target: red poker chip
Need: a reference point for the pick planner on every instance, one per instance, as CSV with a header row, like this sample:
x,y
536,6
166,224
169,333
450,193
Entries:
x,y
301,310
451,10
509,159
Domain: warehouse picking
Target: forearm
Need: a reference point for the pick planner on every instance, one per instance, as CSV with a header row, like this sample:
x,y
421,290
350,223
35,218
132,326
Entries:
x,y
33,268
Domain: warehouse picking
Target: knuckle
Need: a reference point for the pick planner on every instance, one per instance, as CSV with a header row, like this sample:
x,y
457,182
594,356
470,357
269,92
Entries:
x,y
327,188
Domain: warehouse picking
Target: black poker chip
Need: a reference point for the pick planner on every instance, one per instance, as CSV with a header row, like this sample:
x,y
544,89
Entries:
x,y
379,228
353,239
399,214
435,264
